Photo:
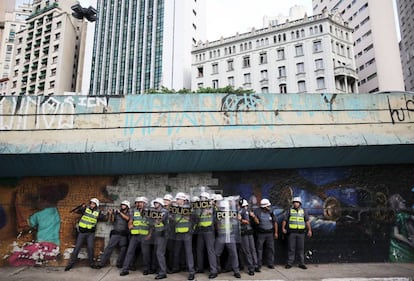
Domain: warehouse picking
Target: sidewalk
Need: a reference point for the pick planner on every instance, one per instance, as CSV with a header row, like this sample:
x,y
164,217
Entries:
x,y
315,272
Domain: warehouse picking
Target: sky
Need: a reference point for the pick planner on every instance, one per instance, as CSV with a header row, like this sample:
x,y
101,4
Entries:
x,y
226,17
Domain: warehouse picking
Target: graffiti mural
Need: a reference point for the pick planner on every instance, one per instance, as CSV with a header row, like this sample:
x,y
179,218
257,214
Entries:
x,y
351,215
358,214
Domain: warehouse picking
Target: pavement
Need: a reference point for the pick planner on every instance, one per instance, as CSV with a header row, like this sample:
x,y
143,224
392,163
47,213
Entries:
x,y
315,272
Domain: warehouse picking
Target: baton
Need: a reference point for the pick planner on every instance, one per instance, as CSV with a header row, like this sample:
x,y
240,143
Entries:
x,y
74,209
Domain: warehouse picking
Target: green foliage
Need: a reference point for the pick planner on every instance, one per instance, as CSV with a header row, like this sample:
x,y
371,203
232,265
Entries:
x,y
208,90
225,90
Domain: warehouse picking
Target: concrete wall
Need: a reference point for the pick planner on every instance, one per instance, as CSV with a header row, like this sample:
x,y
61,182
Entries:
x,y
203,121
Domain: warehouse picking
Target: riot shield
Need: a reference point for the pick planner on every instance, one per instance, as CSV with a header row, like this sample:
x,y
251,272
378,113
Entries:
x,y
203,210
227,220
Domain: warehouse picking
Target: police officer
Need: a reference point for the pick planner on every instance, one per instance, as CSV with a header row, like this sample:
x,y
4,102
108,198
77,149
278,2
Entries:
x,y
296,219
206,236
118,236
247,241
183,224
267,231
161,237
139,232
168,200
227,235
87,227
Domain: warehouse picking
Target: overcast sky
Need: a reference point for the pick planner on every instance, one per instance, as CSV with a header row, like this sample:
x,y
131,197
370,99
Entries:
x,y
226,17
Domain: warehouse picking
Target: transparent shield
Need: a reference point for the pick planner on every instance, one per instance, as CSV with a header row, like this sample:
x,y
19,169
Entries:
x,y
227,218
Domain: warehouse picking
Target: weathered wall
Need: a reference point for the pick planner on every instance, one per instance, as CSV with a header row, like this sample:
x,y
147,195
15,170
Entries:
x,y
203,121
351,216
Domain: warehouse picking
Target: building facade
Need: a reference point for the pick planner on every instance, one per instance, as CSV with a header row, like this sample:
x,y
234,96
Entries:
x,y
406,19
377,53
15,21
46,52
313,54
5,7
143,45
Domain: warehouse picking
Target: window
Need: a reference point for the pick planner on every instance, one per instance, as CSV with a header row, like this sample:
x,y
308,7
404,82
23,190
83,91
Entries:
x,y
263,58
230,65
282,71
317,46
200,85
301,86
214,67
200,71
372,76
300,67
53,72
230,81
215,84
320,82
265,90
247,79
263,75
282,88
364,21
246,61
281,54
299,50
318,64
51,84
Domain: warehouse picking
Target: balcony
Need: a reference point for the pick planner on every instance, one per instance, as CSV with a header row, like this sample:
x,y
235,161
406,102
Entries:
x,y
345,79
345,71
281,79
320,72
264,82
300,75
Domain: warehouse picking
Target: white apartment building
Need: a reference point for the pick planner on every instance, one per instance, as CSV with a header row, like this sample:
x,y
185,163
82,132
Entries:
x,y
144,45
406,15
15,22
46,52
310,55
376,45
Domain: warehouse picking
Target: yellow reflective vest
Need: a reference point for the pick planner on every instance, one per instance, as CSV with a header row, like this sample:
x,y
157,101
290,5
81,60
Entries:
x,y
182,224
206,219
89,219
140,224
297,219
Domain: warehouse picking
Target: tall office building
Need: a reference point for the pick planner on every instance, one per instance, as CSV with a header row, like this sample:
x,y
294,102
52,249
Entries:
x,y
144,44
309,55
46,52
376,45
406,16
